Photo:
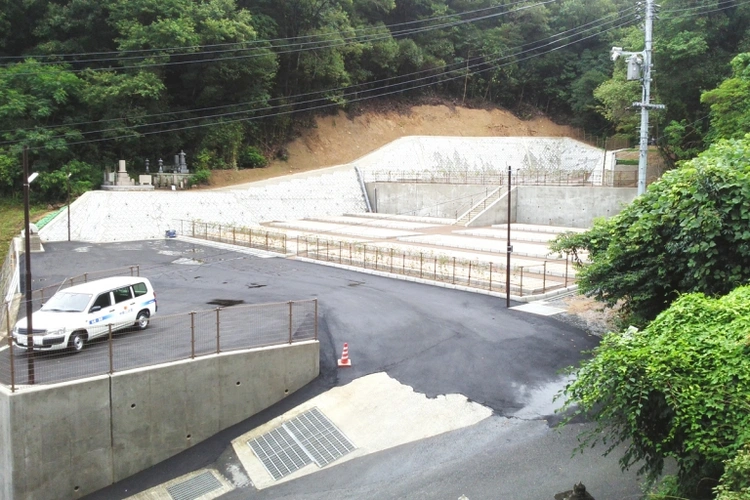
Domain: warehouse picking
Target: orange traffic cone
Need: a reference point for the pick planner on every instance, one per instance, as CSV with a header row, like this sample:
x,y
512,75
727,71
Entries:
x,y
345,361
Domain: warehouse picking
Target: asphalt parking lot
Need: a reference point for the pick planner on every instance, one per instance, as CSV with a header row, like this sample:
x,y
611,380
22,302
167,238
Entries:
x,y
437,341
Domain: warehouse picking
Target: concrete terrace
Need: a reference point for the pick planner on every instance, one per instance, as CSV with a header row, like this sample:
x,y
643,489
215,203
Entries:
x,y
330,203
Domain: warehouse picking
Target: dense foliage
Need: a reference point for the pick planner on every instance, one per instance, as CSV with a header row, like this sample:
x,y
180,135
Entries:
x,y
97,81
678,389
690,232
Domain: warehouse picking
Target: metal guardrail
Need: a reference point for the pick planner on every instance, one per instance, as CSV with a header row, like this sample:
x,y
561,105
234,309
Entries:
x,y
168,338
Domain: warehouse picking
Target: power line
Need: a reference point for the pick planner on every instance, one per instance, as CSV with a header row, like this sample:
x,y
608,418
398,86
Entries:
x,y
293,47
461,65
356,99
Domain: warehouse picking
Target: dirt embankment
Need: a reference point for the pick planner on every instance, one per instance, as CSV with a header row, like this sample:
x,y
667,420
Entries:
x,y
339,139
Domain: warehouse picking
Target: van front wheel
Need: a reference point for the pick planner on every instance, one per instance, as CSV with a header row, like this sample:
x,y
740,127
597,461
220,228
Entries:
x,y
77,340
141,322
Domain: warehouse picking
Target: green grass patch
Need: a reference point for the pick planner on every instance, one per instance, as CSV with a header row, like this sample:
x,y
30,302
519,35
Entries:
x,y
11,221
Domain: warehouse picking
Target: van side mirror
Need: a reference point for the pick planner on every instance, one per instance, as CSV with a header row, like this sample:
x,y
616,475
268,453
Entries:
x,y
95,308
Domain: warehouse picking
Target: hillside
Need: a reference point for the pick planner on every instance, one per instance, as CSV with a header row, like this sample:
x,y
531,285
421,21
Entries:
x,y
339,139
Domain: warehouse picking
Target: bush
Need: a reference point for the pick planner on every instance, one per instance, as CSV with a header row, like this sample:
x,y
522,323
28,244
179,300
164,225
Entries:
x,y
200,176
251,157
677,389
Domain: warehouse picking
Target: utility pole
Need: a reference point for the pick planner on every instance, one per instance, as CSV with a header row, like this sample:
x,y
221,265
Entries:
x,y
639,67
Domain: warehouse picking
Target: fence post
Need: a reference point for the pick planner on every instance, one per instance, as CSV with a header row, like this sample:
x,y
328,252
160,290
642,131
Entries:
x,y
434,269
421,257
290,321
341,250
469,273
403,263
266,240
566,269
376,258
192,334
317,248
220,241
454,271
85,277
234,235
218,343
10,349
193,231
250,237
206,230
316,318
544,278
521,285
364,256
490,276
327,256
391,260
111,357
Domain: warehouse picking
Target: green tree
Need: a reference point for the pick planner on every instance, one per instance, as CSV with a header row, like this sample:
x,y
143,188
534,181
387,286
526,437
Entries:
x,y
690,232
678,389
730,101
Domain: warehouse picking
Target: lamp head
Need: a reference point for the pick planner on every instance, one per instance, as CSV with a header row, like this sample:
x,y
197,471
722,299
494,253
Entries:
x,y
615,53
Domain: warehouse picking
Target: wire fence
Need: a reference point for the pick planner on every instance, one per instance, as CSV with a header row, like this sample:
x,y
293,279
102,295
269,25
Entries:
x,y
528,276
166,339
498,177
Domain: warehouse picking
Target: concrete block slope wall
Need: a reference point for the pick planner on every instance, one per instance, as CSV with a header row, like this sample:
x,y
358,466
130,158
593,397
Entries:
x,y
65,441
106,216
483,154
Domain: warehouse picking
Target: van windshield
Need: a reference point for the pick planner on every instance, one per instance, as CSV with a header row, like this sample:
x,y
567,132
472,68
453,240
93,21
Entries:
x,y
67,302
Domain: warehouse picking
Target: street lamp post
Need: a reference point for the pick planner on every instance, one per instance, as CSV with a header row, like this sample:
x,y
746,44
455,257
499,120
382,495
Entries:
x,y
509,249
27,226
68,182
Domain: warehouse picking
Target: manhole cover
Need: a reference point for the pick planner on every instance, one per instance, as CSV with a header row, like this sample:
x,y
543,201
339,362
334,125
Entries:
x,y
225,302
194,487
307,438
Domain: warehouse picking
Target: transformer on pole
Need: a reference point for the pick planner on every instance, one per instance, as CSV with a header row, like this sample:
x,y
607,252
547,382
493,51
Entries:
x,y
639,67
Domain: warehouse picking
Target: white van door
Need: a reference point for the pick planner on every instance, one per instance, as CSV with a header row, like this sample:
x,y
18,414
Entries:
x,y
100,314
125,309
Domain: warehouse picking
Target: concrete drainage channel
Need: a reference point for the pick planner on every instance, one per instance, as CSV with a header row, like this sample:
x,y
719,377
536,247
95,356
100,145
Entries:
x,y
308,438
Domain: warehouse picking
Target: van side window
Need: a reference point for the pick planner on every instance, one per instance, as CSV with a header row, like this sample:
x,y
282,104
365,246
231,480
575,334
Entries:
x,y
122,294
140,289
103,301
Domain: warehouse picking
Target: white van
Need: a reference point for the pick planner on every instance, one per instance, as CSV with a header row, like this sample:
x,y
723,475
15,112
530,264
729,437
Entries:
x,y
80,313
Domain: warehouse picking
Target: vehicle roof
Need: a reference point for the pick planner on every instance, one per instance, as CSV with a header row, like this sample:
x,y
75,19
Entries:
x,y
105,284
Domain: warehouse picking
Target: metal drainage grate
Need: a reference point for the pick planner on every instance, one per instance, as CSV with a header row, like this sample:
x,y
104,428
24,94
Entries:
x,y
323,441
194,487
307,438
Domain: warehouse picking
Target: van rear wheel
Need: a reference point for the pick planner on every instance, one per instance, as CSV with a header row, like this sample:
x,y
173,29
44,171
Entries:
x,y
77,341
141,322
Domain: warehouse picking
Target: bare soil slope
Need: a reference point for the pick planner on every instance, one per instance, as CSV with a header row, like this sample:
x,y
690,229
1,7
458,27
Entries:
x,y
339,139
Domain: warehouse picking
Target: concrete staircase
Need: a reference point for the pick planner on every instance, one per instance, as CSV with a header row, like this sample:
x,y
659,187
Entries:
x,y
480,207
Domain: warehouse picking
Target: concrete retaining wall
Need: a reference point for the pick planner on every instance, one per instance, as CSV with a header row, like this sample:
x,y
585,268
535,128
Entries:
x,y
570,206
425,200
68,440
